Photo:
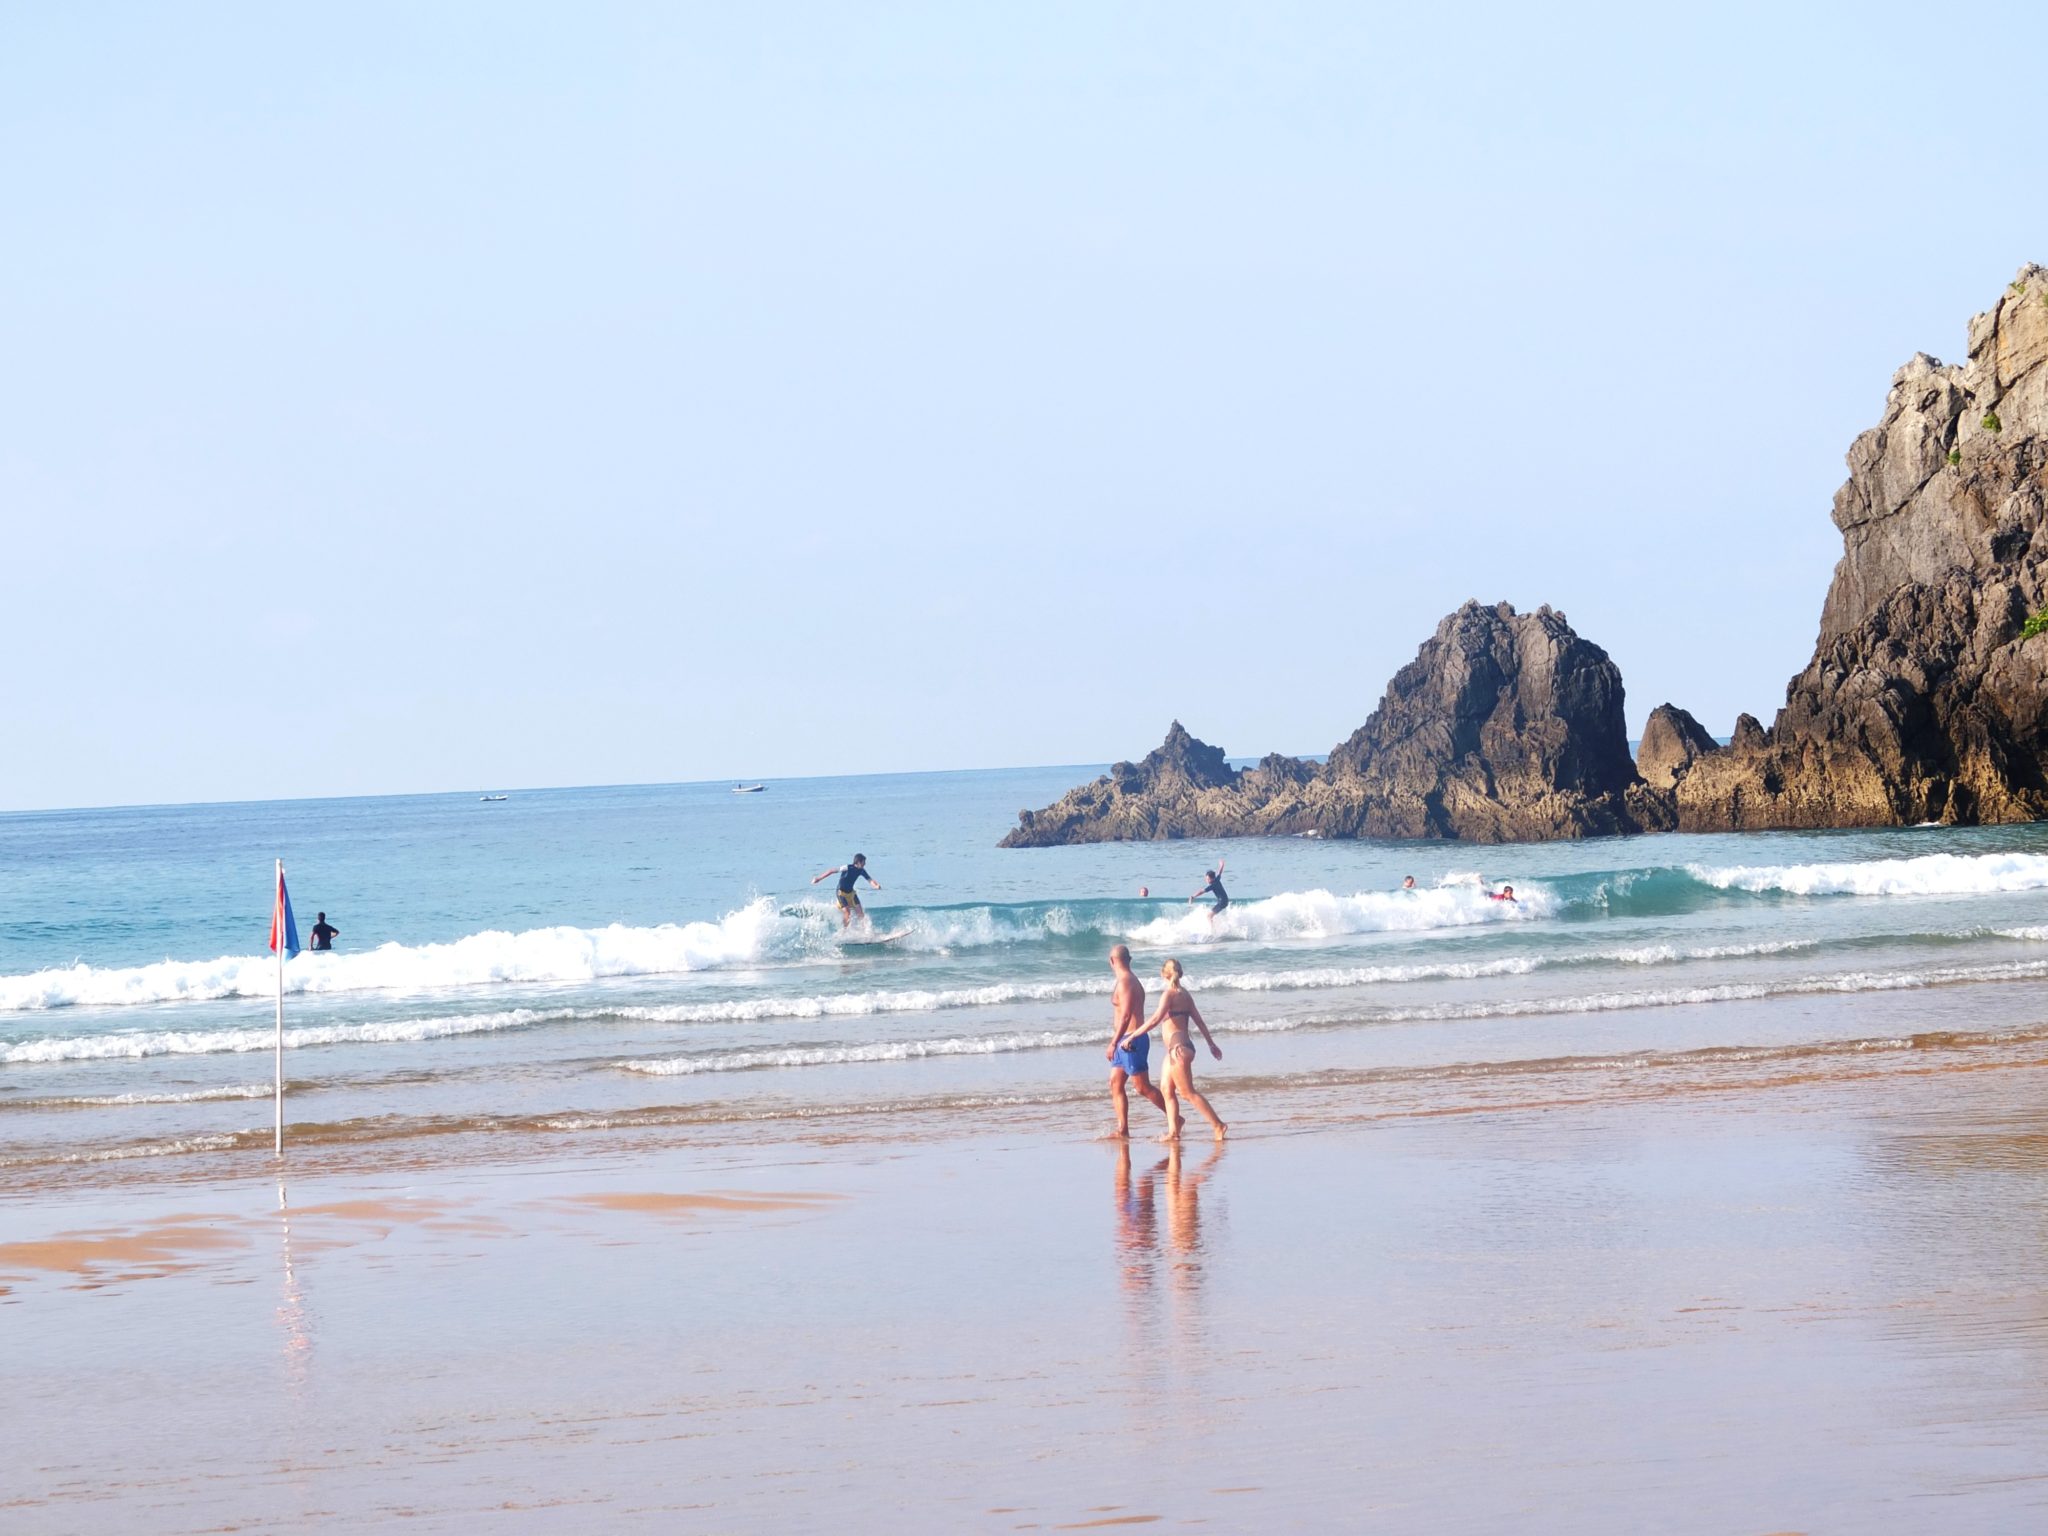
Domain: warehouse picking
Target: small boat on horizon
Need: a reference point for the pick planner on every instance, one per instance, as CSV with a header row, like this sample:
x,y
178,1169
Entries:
x,y
748,789
493,797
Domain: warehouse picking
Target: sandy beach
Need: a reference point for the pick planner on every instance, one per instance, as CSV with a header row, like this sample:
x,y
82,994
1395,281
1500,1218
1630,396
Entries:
x,y
1805,1303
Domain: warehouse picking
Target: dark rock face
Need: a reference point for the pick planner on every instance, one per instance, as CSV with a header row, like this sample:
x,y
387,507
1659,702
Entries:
x,y
1922,701
1671,740
1183,788
1505,727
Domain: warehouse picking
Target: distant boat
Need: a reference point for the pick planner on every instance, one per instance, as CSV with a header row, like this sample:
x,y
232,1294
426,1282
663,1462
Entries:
x,y
493,797
748,789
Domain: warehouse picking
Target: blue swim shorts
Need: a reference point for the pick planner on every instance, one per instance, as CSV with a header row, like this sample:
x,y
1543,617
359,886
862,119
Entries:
x,y
1133,1055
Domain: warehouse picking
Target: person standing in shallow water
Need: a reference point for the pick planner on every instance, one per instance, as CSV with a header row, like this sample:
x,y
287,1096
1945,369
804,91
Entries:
x,y
1176,1011
1129,1047
324,932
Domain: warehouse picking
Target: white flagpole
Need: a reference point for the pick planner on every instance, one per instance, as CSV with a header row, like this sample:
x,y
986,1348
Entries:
x,y
277,908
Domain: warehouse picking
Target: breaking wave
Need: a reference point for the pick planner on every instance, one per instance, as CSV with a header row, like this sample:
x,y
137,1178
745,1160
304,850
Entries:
x,y
764,933
758,934
1933,874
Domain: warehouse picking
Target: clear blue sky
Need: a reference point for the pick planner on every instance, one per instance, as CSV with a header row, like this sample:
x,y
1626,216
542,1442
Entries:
x,y
405,397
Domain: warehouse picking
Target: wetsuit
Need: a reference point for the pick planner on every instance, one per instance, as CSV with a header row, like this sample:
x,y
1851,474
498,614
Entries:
x,y
847,876
323,935
1215,888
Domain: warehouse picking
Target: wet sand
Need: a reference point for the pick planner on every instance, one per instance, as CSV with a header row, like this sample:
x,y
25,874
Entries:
x,y
1809,1305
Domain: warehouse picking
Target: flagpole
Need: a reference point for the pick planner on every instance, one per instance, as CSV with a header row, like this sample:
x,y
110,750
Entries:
x,y
278,905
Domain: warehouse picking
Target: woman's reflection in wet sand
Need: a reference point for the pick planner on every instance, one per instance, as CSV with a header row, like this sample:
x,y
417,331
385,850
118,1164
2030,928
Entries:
x,y
1184,1221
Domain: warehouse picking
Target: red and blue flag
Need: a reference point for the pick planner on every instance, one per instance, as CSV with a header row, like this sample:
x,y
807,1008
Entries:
x,y
284,928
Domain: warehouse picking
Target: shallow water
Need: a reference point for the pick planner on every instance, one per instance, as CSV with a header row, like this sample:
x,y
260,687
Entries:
x,y
581,966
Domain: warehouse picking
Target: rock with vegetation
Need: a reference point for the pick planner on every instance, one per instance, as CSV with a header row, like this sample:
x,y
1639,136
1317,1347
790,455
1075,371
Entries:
x,y
1926,698
1927,695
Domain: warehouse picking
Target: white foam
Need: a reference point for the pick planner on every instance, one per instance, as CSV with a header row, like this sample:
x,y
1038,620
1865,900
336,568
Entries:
x,y
115,1100
1933,874
135,1044
838,1055
1595,1002
749,935
1319,914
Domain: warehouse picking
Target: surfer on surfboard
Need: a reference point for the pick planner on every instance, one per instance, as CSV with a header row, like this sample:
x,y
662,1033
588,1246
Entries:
x,y
1213,887
849,900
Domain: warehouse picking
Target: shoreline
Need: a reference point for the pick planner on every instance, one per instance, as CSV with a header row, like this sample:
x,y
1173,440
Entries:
x,y
1755,1302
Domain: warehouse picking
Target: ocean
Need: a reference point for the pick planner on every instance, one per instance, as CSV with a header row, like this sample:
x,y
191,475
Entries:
x,y
580,970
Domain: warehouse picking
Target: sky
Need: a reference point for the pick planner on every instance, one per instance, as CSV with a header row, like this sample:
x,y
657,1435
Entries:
x,y
480,396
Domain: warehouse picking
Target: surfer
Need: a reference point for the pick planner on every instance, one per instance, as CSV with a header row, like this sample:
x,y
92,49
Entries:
x,y
1176,1011
849,901
1505,893
1213,887
1129,1047
1408,884
324,932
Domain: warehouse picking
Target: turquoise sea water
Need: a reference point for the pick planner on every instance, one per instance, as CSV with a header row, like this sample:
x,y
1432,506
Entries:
x,y
577,967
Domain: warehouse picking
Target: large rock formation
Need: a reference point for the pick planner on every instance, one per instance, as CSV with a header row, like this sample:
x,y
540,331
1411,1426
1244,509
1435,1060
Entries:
x,y
1505,727
1924,700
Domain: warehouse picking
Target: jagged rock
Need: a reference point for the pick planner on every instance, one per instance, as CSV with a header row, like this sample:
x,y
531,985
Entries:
x,y
1505,727
1750,735
1671,740
1922,701
1181,789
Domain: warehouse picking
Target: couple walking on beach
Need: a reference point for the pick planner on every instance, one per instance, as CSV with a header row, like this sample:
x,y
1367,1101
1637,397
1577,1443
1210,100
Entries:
x,y
1130,1047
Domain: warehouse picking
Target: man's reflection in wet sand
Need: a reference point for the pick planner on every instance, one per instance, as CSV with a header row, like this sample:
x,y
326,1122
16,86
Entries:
x,y
1137,1225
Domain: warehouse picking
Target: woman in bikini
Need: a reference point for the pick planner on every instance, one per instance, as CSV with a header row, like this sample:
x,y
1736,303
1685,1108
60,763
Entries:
x,y
1176,1009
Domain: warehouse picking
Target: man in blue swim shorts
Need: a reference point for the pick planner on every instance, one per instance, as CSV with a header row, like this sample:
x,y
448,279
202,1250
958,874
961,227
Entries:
x,y
1128,1063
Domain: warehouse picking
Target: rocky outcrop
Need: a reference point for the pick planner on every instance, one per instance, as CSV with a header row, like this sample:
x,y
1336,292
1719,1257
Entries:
x,y
1506,727
1925,699
1671,740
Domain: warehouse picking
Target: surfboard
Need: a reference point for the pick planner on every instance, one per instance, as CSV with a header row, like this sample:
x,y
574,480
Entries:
x,y
880,938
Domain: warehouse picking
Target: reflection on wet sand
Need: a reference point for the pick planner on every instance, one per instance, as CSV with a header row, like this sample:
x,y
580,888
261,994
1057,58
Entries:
x,y
1184,1218
1142,1259
291,1309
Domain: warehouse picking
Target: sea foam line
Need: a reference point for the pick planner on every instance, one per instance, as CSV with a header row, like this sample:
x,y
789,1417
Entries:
x,y
1596,1002
750,1010
1932,874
